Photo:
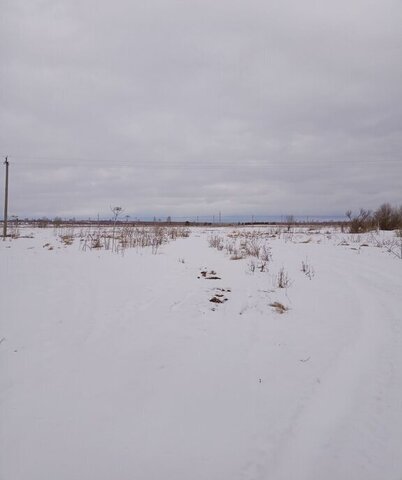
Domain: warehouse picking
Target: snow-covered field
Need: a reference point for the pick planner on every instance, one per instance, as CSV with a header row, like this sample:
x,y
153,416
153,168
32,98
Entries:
x,y
118,366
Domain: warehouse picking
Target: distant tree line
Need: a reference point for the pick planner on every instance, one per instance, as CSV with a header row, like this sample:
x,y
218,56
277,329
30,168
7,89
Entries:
x,y
386,217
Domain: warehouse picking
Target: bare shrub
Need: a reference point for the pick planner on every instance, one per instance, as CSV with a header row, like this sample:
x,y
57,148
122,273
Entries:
x,y
307,269
265,254
388,217
392,245
252,247
230,246
282,279
290,221
251,265
362,222
216,241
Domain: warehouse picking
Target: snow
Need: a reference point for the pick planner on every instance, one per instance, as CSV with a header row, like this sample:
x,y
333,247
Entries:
x,y
118,366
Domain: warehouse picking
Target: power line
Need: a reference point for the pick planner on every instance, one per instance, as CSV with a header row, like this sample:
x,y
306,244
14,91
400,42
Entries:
x,y
64,162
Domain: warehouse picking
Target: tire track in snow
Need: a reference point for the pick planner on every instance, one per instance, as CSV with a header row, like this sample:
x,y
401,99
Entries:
x,y
333,434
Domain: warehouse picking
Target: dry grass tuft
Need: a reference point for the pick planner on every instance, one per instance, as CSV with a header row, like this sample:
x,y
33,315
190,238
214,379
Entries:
x,y
279,307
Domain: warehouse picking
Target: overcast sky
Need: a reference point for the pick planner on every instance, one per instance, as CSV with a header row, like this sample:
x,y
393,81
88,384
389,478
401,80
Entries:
x,y
192,107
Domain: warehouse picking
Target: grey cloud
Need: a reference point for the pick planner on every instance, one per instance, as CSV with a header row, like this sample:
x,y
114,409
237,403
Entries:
x,y
187,108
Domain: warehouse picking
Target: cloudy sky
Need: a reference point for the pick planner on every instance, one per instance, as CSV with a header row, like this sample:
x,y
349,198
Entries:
x,y
191,107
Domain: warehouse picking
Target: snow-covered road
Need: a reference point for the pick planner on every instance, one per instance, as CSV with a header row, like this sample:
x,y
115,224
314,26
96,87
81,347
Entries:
x,y
119,367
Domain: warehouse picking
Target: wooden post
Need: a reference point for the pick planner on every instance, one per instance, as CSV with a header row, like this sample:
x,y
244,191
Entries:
x,y
5,201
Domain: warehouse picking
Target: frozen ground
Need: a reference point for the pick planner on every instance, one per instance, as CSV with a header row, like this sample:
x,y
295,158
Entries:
x,y
119,366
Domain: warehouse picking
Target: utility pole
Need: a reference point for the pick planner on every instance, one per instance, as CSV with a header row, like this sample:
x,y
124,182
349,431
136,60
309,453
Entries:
x,y
5,201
